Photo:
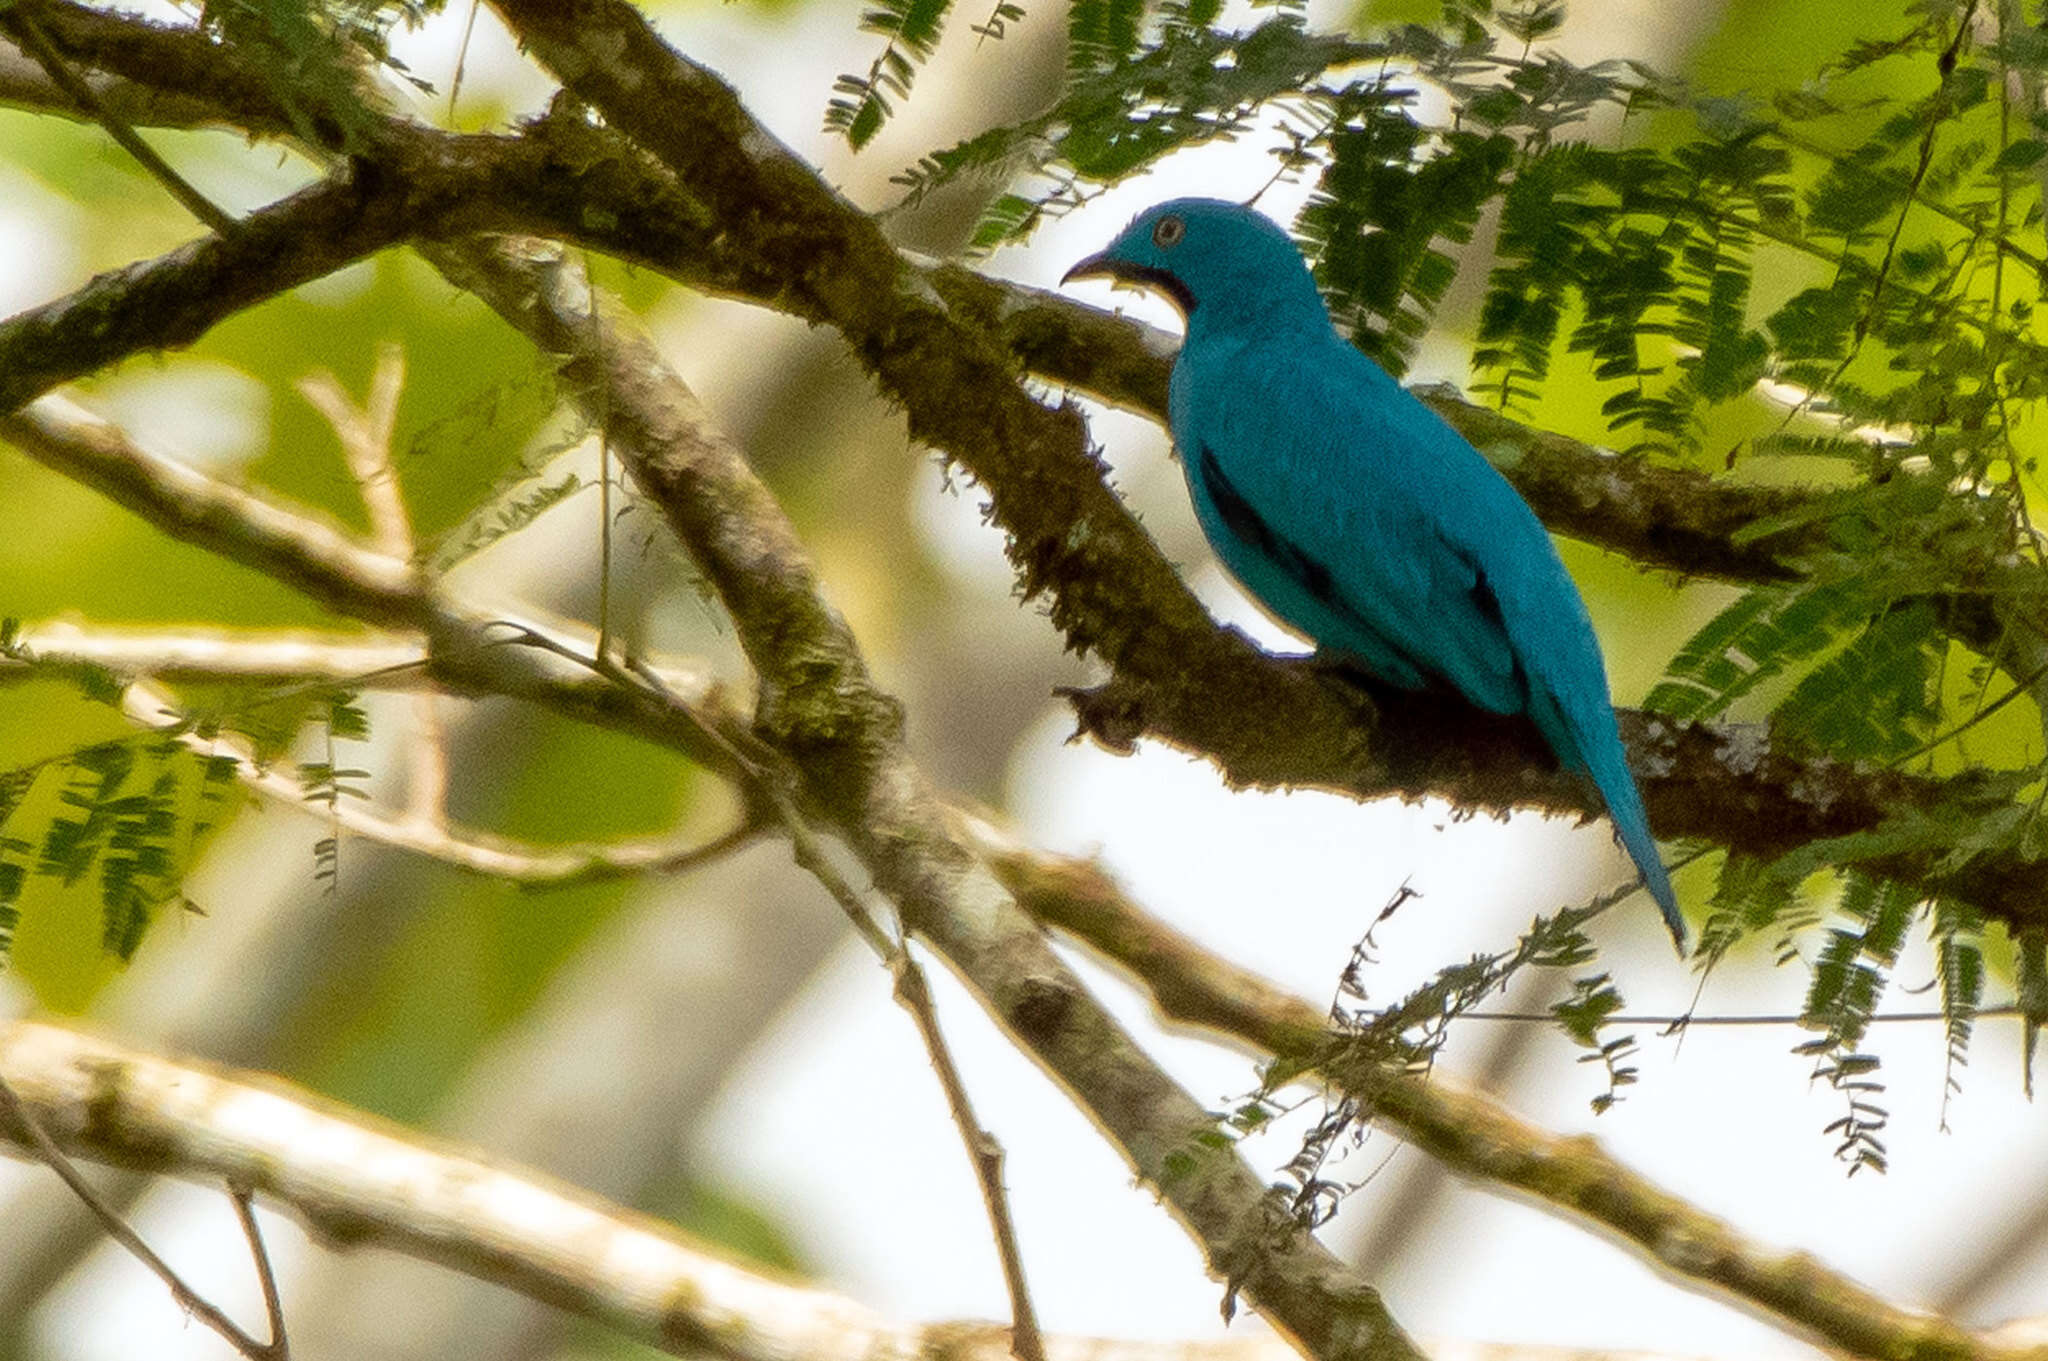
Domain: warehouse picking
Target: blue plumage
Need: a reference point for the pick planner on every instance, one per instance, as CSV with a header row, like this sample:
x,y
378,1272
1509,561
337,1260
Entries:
x,y
1355,514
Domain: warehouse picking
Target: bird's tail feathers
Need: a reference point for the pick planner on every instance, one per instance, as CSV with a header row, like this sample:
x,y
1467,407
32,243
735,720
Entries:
x,y
1632,827
1591,742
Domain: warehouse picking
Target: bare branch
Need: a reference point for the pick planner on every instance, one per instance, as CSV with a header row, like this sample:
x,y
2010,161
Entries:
x,y
365,436
288,545
360,660
165,59
24,84
1027,1343
20,22
266,1277
360,1183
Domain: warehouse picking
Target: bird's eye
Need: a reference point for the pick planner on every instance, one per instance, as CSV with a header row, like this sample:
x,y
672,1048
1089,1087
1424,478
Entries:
x,y
1167,232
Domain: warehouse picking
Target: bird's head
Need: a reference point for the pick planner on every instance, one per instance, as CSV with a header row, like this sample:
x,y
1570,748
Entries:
x,y
1221,263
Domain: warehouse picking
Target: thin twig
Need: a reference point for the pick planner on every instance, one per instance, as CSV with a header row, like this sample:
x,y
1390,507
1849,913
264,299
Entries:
x,y
273,1303
1026,1342
366,434
602,419
462,58
190,1300
38,45
1681,1023
776,782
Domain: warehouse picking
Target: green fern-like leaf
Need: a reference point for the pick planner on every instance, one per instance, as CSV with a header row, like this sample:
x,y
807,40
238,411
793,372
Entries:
x,y
1875,699
1959,962
1103,33
1753,640
1386,197
912,29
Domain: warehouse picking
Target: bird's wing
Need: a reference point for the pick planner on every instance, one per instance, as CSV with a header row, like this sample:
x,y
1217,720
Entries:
x,y
1373,506
1387,523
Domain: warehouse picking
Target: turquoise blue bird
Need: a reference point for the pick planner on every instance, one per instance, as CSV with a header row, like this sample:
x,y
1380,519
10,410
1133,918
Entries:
x,y
1355,514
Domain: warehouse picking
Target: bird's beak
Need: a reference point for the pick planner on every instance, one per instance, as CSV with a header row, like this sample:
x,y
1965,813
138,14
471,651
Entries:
x,y
1101,265
1127,274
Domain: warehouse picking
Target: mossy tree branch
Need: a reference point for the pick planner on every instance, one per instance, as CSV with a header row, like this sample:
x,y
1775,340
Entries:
x,y
952,361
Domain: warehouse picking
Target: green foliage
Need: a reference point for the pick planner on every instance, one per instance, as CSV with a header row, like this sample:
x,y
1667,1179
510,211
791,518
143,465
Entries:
x,y
2030,983
1390,191
122,820
912,29
1959,959
1754,640
1581,1015
316,55
327,782
506,517
1875,697
1409,1033
1848,981
1134,95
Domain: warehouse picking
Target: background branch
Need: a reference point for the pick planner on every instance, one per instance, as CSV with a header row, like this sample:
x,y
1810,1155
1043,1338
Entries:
x,y
359,1183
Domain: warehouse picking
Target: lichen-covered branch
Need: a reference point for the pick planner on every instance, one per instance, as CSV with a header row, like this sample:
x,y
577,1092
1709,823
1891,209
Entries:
x,y
1473,1136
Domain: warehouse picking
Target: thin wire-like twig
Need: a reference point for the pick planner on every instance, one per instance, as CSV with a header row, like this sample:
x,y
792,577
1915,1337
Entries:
x,y
38,45
188,1299
774,781
273,1303
462,58
1678,1023
1026,1342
